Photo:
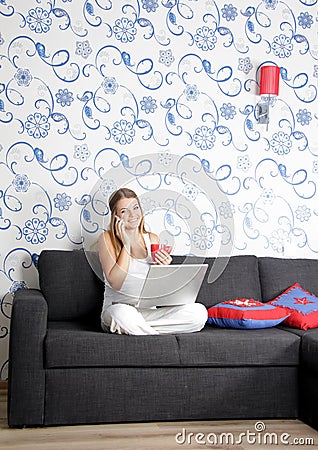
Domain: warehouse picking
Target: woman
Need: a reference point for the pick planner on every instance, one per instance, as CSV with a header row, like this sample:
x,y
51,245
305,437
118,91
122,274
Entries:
x,y
124,252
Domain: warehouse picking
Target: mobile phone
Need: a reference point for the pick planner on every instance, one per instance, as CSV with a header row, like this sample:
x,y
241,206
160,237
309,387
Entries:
x,y
120,220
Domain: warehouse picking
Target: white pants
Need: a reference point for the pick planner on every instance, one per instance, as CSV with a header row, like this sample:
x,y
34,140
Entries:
x,y
121,318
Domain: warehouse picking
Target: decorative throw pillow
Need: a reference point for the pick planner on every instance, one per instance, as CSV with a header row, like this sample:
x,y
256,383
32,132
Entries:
x,y
245,313
301,305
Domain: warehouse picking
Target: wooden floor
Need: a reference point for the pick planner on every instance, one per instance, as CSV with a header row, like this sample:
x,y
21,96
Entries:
x,y
162,436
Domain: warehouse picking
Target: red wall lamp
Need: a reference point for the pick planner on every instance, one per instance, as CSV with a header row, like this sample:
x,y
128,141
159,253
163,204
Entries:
x,y
269,87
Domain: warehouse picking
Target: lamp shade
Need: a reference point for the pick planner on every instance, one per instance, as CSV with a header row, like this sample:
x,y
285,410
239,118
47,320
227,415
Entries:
x,y
269,80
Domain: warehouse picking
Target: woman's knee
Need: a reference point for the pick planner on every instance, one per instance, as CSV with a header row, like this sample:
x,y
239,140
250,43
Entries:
x,y
120,311
198,313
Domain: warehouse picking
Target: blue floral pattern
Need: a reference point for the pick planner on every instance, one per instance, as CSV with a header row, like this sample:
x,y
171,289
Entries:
x,y
110,85
191,92
159,95
21,183
204,138
123,132
81,152
166,57
23,77
305,20
35,231
64,97
39,20
304,116
37,125
228,111
203,237
124,30
229,12
205,38
150,5
62,201
282,46
148,104
281,143
83,49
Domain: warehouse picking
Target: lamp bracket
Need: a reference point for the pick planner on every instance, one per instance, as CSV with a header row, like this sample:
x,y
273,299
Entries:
x,y
262,113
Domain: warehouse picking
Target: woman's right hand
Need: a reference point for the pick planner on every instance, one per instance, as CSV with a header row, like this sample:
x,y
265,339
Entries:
x,y
121,232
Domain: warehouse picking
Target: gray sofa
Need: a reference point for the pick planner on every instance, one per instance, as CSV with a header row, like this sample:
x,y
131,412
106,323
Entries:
x,y
64,370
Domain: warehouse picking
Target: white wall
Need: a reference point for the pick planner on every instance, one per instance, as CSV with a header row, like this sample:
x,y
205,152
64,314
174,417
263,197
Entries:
x,y
99,94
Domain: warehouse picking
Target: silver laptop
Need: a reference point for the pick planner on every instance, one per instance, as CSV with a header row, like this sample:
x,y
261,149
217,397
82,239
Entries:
x,y
175,284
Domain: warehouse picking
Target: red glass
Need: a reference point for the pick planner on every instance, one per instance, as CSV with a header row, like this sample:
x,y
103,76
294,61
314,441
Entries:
x,y
157,247
269,80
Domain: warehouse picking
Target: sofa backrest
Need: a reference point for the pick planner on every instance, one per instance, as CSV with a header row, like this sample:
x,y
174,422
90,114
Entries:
x,y
73,291
239,279
278,274
71,288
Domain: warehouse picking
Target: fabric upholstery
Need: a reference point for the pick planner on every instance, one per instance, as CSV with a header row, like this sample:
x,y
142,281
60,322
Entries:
x,y
308,396
308,385
309,349
26,393
239,278
219,347
158,393
80,347
71,288
212,347
278,274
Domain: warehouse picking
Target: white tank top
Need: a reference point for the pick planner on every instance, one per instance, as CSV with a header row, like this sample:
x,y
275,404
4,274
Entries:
x,y
133,283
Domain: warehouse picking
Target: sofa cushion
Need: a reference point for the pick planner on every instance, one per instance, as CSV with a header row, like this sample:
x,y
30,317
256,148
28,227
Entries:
x,y
227,278
245,313
69,285
76,344
219,347
300,305
278,274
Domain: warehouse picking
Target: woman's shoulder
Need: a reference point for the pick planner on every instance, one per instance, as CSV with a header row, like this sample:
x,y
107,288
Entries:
x,y
105,238
105,234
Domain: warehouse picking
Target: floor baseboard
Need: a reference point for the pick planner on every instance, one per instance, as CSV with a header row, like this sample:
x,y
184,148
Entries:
x,y
3,384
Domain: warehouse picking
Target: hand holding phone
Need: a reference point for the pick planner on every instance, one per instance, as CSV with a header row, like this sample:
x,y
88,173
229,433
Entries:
x,y
119,224
121,231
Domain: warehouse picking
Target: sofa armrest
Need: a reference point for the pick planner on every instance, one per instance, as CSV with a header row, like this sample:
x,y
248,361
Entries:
x,y
26,388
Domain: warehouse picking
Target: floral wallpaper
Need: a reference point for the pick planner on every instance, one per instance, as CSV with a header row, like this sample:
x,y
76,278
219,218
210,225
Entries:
x,y
162,96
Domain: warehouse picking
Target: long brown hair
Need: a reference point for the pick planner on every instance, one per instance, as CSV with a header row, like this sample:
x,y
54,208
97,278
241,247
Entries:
x,y
114,198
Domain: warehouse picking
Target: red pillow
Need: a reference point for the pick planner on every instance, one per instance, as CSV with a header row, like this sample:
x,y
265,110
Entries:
x,y
301,305
245,313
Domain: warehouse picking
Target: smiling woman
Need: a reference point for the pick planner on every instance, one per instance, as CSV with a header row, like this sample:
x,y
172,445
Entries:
x,y
125,255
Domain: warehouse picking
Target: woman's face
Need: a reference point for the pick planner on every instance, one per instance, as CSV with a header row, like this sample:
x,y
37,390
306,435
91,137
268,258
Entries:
x,y
128,210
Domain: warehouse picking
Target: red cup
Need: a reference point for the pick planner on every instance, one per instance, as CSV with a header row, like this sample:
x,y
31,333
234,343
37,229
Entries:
x,y
157,247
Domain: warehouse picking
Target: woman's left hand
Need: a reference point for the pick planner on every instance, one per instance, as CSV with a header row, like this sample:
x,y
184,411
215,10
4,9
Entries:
x,y
162,257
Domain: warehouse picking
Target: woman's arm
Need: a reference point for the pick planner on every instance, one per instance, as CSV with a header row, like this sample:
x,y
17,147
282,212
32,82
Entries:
x,y
115,270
